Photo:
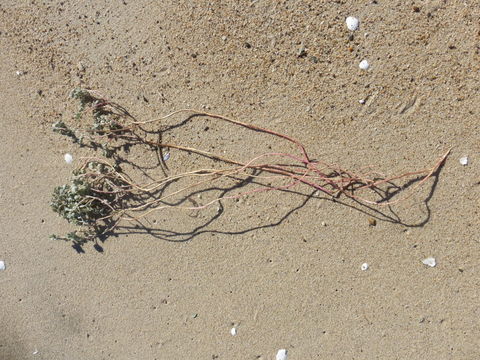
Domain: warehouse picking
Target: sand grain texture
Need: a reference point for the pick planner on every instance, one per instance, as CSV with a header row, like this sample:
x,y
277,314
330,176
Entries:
x,y
266,266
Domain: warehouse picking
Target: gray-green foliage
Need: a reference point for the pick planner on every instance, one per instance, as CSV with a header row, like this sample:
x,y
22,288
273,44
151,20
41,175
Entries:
x,y
84,97
104,122
90,200
62,128
77,202
77,237
96,190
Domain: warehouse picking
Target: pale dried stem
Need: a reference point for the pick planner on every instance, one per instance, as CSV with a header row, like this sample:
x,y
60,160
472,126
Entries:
x,y
328,178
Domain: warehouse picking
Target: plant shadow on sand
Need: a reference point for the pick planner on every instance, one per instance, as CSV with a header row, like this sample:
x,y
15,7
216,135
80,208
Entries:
x,y
118,194
386,214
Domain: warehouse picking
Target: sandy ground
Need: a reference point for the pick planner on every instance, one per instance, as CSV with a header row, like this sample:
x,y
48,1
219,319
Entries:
x,y
266,266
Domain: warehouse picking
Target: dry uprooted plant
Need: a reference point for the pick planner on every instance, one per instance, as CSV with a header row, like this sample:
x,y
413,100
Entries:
x,y
101,194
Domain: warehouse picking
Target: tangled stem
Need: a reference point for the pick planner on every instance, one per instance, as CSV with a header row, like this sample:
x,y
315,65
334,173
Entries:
x,y
110,190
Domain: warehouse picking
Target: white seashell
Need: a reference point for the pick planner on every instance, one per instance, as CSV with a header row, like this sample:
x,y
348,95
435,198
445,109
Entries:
x,y
68,158
364,266
281,355
364,65
430,261
352,23
2,265
233,331
464,160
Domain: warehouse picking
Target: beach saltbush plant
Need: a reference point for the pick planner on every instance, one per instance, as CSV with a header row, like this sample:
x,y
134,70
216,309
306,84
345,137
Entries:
x,y
95,191
101,195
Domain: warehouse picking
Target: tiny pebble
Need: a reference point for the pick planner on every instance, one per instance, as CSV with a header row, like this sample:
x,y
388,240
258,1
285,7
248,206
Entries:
x,y
2,265
352,23
68,158
302,51
324,223
430,261
362,101
19,73
464,160
233,331
364,65
166,157
364,266
281,355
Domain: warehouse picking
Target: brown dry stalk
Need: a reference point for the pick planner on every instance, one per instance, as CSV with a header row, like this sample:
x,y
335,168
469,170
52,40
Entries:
x,y
293,169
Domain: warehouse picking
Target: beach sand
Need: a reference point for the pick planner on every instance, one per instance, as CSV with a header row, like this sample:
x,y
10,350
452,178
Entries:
x,y
282,268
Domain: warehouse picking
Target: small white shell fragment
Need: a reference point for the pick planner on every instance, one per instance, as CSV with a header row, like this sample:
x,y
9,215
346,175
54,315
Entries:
x,y
35,352
68,158
19,73
364,266
464,160
352,23
281,355
361,101
430,261
166,156
233,331
364,65
2,265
